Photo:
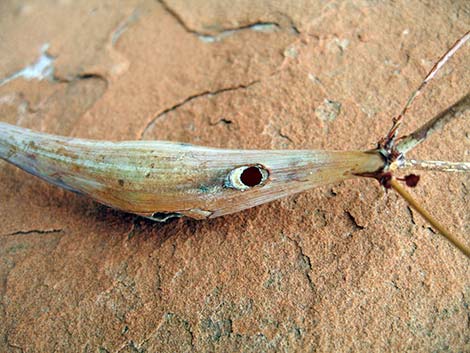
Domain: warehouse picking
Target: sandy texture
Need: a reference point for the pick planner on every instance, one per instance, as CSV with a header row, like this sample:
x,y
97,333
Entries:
x,y
344,268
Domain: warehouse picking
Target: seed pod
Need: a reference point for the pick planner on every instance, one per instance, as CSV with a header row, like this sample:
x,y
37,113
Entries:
x,y
160,180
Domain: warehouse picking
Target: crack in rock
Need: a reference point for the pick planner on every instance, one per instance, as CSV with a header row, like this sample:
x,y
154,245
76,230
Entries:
x,y
151,123
306,259
223,121
124,25
43,68
356,225
284,136
83,76
292,24
257,27
260,26
34,231
412,217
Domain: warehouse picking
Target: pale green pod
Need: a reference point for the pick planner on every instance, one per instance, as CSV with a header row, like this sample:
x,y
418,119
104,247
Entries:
x,y
159,179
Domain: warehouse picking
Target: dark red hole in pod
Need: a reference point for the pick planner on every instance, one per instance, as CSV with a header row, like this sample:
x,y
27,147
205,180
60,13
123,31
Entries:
x,y
251,176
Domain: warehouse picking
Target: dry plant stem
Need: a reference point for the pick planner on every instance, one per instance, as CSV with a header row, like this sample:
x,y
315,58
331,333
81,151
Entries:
x,y
159,179
438,166
409,142
416,206
392,134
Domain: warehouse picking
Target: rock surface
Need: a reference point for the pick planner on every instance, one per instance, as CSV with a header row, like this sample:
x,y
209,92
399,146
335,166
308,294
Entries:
x,y
341,268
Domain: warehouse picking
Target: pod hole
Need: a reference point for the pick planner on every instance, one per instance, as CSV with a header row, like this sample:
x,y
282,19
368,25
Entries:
x,y
251,176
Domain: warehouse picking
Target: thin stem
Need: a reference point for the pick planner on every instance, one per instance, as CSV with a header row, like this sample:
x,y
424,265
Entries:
x,y
416,206
438,166
392,134
409,142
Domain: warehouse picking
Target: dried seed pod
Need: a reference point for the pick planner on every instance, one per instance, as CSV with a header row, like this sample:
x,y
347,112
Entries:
x,y
160,180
